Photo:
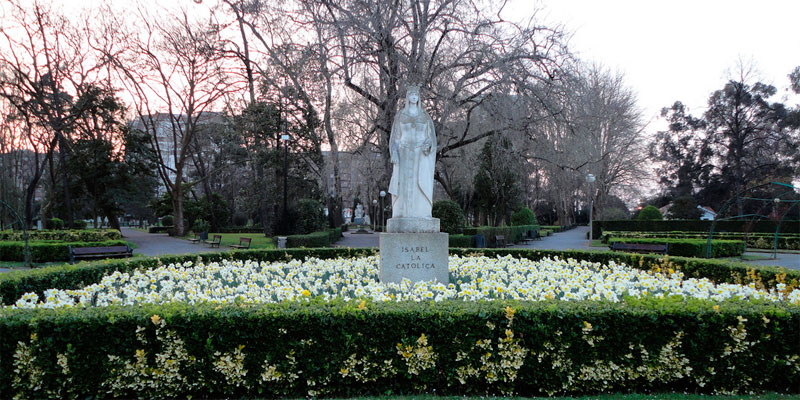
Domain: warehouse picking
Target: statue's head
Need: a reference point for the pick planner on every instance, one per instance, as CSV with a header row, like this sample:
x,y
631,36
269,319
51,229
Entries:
x,y
412,94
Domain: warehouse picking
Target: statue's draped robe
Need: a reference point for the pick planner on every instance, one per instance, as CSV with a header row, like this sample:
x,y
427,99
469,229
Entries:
x,y
411,185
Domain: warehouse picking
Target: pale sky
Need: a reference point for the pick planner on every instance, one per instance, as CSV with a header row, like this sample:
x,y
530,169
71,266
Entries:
x,y
680,49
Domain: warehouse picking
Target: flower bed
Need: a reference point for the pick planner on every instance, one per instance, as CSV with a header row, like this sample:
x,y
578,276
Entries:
x,y
473,278
283,327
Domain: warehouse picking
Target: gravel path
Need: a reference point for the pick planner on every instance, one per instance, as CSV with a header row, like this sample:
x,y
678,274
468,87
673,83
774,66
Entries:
x,y
156,244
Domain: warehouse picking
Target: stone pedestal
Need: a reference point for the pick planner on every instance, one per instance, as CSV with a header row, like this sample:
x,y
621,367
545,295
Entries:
x,y
419,256
408,225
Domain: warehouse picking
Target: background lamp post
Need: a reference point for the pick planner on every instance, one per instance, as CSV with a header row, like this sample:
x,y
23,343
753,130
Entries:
x,y
374,213
285,140
590,180
383,211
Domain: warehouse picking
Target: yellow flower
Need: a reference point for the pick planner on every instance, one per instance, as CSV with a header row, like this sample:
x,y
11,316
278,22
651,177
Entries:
x,y
363,305
155,318
716,308
306,292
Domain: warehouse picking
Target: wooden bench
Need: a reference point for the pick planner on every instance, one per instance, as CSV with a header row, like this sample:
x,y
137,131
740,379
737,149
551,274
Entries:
x,y
500,241
81,253
196,239
244,243
640,247
215,241
531,234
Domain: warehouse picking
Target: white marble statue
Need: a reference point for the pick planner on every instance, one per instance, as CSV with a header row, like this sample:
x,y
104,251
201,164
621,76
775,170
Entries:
x,y
412,147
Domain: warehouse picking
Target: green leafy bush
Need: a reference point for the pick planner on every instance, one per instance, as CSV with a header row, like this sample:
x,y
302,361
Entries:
x,y
460,241
315,239
160,229
47,251
239,229
523,216
89,235
167,220
298,349
310,217
691,247
200,225
650,213
765,226
54,223
79,224
451,217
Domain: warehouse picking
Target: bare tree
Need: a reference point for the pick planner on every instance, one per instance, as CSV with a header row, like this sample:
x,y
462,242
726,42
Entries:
x,y
175,72
45,62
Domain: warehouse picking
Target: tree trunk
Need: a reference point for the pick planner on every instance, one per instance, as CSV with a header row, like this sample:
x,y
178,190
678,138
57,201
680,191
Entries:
x,y
177,203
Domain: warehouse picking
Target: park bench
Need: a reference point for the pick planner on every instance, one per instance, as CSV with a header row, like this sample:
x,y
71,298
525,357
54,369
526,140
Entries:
x,y
244,243
82,253
500,241
531,234
214,242
196,239
640,247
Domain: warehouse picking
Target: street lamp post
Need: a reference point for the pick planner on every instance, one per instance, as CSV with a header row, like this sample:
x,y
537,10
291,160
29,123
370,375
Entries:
x,y
590,180
285,140
383,212
374,213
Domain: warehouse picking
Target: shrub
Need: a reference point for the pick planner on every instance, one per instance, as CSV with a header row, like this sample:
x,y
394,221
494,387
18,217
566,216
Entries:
x,y
650,213
47,251
200,225
460,241
523,217
315,239
692,247
167,220
54,223
239,219
310,217
160,229
89,235
450,216
298,349
79,224
598,227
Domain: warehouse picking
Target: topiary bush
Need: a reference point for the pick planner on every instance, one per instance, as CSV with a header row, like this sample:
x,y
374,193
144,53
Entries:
x,y
523,216
167,220
310,217
450,216
650,213
54,223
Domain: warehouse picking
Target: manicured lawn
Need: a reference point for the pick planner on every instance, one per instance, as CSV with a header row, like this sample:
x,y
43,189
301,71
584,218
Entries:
x,y
259,241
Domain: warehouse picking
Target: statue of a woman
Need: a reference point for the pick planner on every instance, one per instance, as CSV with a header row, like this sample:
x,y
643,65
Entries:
x,y
412,147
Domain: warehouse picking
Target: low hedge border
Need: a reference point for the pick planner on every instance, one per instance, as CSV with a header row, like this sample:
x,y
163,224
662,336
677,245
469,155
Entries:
x,y
690,247
598,227
160,229
47,251
83,235
315,239
460,240
240,229
16,283
758,240
358,348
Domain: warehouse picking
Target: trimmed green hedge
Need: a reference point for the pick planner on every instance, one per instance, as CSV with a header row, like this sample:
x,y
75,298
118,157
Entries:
x,y
160,229
598,227
359,348
315,239
241,229
691,247
460,241
85,235
758,240
47,251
